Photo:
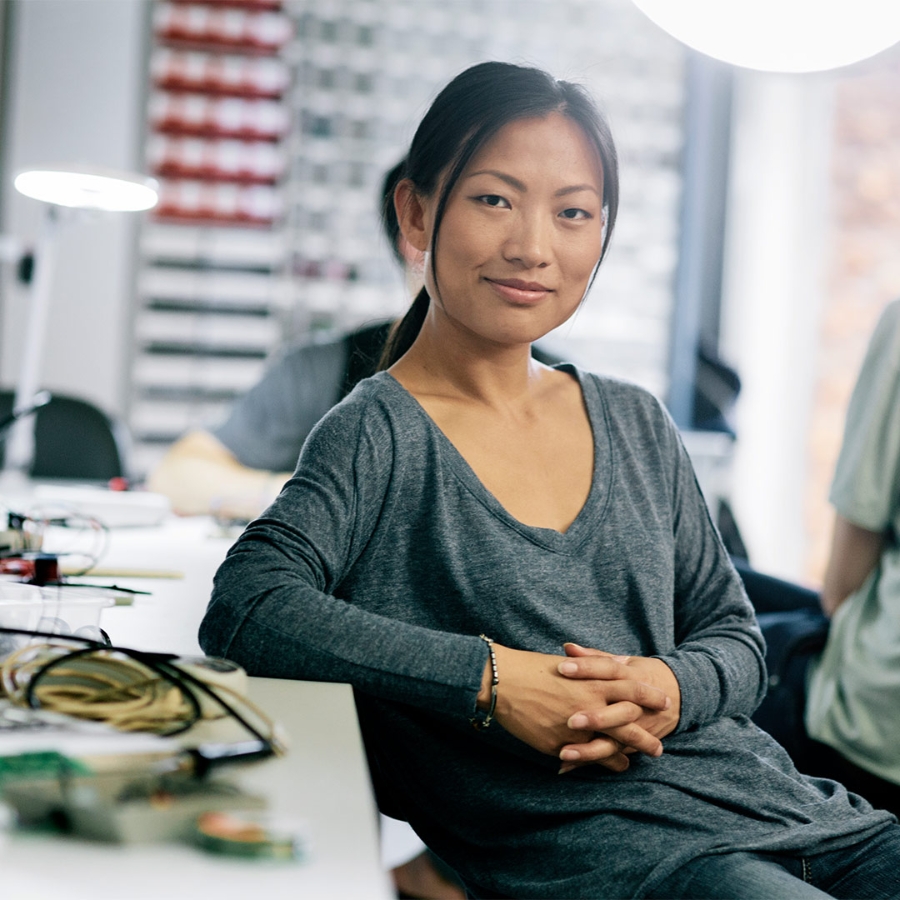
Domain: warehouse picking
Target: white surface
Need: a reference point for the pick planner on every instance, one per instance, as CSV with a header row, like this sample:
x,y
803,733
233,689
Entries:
x,y
323,779
115,509
58,499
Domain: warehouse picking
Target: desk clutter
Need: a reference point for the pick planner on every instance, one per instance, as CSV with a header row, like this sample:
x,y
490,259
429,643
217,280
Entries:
x,y
116,744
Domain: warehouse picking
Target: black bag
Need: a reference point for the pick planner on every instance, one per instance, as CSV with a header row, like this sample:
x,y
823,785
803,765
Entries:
x,y
793,639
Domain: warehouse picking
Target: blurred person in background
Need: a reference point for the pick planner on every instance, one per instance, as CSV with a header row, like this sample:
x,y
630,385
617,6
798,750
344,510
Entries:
x,y
238,468
834,656
853,704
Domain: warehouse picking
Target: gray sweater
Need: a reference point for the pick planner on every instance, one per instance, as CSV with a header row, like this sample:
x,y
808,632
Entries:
x,y
385,557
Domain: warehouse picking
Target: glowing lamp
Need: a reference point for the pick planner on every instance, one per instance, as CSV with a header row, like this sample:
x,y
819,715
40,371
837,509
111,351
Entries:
x,y
780,35
72,187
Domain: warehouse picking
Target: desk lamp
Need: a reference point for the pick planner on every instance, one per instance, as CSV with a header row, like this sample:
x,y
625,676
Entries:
x,y
60,188
780,35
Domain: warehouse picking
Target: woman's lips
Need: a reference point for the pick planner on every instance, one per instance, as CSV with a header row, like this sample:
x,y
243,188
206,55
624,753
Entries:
x,y
520,292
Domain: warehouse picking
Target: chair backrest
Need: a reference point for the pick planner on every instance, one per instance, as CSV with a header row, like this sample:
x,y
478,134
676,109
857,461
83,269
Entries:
x,y
74,439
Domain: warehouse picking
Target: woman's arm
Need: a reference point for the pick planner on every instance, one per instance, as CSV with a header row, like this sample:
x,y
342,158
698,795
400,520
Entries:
x,y
718,650
866,484
855,551
274,610
713,665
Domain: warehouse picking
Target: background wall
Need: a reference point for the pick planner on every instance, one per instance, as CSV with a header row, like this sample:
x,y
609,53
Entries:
x,y
75,83
813,230
862,267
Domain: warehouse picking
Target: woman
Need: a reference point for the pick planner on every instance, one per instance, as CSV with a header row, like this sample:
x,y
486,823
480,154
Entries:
x,y
468,494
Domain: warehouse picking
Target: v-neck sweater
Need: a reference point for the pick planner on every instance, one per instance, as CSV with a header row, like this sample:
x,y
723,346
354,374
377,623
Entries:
x,y
385,557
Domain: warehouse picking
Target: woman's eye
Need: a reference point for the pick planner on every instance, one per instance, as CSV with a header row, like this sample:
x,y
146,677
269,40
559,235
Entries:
x,y
493,200
575,213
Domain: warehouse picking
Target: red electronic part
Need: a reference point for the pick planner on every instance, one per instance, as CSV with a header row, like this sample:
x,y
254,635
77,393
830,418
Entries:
x,y
234,29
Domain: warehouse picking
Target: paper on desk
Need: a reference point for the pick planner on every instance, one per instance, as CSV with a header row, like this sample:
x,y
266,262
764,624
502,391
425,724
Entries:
x,y
114,509
118,572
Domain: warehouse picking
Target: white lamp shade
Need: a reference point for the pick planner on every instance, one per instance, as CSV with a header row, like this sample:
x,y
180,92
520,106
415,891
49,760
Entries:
x,y
780,35
84,187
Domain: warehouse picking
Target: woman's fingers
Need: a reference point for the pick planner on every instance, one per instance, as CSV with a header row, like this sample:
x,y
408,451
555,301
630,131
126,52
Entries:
x,y
617,723
602,750
573,649
617,679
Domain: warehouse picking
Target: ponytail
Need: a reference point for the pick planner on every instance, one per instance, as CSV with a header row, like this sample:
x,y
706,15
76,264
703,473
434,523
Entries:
x,y
405,331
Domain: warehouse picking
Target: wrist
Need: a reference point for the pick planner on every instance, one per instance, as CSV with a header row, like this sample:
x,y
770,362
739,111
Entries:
x,y
483,700
486,701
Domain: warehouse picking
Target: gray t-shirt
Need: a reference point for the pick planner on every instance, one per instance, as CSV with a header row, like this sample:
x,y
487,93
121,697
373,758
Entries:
x,y
385,557
268,425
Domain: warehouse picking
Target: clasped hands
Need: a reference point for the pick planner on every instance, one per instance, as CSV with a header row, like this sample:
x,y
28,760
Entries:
x,y
588,708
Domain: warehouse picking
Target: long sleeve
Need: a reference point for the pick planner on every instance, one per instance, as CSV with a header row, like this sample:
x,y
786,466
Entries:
x,y
719,657
274,609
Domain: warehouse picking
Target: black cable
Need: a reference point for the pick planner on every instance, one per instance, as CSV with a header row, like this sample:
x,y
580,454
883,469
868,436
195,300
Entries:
x,y
162,664
195,714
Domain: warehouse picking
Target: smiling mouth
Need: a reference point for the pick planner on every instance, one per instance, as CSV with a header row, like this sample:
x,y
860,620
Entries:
x,y
522,292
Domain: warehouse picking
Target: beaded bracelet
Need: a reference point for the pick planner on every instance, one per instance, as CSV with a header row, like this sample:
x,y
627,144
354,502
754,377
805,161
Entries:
x,y
482,720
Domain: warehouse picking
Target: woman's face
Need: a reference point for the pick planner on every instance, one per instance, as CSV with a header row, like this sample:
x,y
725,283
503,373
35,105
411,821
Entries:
x,y
522,232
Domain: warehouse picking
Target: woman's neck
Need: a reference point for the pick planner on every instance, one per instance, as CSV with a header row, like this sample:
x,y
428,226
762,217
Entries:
x,y
446,360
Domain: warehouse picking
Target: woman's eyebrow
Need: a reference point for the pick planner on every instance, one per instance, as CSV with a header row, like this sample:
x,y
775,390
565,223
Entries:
x,y
521,187
509,179
576,189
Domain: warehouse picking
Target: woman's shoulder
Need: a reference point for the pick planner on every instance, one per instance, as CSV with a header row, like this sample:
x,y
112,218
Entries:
x,y
375,410
631,414
617,393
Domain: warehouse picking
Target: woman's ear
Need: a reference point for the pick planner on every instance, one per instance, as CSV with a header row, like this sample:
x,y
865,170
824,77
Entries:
x,y
412,216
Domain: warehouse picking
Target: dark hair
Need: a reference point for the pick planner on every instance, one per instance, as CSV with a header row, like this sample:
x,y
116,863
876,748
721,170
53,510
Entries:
x,y
464,116
389,221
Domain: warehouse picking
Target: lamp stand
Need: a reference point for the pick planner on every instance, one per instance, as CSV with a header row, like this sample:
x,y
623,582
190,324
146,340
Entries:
x,y
20,443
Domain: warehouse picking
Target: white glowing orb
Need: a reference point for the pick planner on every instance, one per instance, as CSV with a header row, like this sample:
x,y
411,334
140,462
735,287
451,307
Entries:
x,y
780,35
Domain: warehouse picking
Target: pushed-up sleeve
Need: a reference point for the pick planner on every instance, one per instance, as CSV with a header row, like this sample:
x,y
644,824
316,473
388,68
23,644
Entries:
x,y
273,607
718,657
866,485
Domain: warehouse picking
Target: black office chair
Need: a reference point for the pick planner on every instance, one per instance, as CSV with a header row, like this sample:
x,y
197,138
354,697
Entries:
x,y
74,439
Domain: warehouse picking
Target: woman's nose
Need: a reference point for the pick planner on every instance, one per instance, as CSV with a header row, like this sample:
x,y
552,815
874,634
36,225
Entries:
x,y
528,242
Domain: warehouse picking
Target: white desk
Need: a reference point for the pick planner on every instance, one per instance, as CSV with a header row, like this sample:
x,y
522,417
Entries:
x,y
323,778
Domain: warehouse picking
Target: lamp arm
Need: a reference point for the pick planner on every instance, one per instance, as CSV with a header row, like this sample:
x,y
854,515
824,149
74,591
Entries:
x,y
20,444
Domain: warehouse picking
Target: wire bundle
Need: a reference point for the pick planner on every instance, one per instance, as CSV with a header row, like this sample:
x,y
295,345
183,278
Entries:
x,y
128,689
101,685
